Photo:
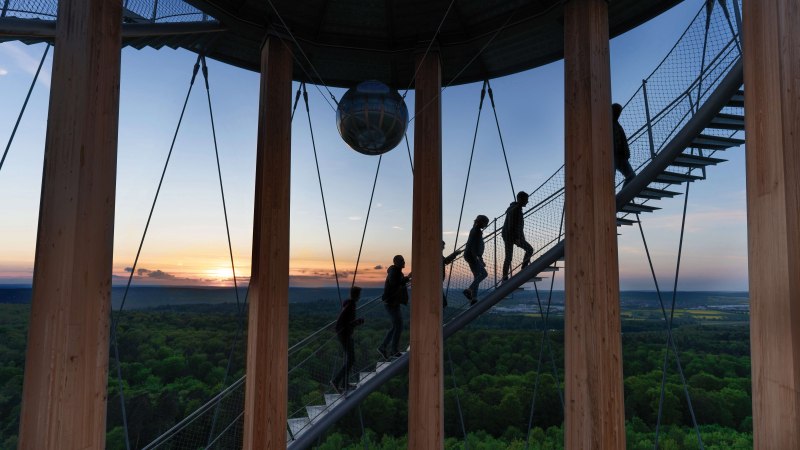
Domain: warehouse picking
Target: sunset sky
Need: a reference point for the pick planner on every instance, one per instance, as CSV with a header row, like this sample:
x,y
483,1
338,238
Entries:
x,y
186,243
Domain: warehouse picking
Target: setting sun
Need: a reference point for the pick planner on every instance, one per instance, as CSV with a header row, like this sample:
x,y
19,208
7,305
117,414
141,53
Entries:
x,y
222,273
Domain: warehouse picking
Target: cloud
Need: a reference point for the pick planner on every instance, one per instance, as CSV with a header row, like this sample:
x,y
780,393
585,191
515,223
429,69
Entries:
x,y
3,72
160,275
354,218
395,227
129,269
22,59
379,205
447,233
378,267
155,274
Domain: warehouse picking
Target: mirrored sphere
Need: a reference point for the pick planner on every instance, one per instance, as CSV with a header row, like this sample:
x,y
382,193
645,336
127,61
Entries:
x,y
372,118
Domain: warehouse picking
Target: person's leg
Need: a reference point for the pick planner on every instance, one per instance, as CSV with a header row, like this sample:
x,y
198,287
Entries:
x,y
341,374
509,254
388,338
627,171
479,277
397,327
349,361
474,267
523,244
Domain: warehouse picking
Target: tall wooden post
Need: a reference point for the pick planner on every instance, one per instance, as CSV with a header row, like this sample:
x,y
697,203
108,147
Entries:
x,y
426,385
268,324
595,416
66,365
772,121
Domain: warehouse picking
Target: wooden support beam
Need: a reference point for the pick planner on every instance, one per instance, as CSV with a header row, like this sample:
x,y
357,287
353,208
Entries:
x,y
66,364
426,369
772,123
268,323
595,415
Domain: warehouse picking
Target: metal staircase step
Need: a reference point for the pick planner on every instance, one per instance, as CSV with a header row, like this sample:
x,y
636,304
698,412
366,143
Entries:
x,y
381,365
676,178
737,101
727,122
332,399
715,142
315,410
696,161
364,376
551,269
638,208
298,425
623,221
656,194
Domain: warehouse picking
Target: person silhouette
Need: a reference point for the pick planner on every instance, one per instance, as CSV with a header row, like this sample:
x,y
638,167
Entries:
x,y
345,325
473,255
513,233
395,293
622,153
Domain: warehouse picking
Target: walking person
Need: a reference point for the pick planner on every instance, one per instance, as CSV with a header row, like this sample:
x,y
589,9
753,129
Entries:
x,y
513,233
345,325
395,293
622,153
473,254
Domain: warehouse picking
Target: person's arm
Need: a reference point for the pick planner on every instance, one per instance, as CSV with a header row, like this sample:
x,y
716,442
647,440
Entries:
x,y
625,147
450,258
519,223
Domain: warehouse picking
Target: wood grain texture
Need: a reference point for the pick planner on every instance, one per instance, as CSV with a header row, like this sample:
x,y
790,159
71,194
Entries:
x,y
593,353
426,382
66,364
772,122
268,315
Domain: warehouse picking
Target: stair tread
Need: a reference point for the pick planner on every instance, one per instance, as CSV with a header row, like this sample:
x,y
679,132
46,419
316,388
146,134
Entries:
x,y
656,194
675,177
727,122
331,399
634,208
687,160
715,142
623,221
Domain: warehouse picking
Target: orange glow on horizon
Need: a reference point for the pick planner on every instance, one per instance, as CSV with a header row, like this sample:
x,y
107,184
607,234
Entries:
x,y
302,273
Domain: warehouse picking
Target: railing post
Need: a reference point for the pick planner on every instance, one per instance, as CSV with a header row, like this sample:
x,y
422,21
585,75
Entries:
x,y
649,123
494,244
5,8
737,13
155,11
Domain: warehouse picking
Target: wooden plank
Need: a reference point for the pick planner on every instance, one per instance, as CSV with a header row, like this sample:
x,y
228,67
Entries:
x,y
66,364
426,365
772,122
268,322
594,413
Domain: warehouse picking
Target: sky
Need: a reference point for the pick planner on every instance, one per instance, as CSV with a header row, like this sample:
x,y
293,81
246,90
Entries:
x,y
186,242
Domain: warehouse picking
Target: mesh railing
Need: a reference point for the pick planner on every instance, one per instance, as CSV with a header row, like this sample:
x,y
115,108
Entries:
x,y
658,110
312,360
153,11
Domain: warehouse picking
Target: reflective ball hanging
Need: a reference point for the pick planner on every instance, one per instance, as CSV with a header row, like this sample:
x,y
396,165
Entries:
x,y
372,118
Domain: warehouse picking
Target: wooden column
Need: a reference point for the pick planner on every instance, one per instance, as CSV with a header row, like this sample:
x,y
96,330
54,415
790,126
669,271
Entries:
x,y
425,393
595,416
66,364
268,323
772,120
